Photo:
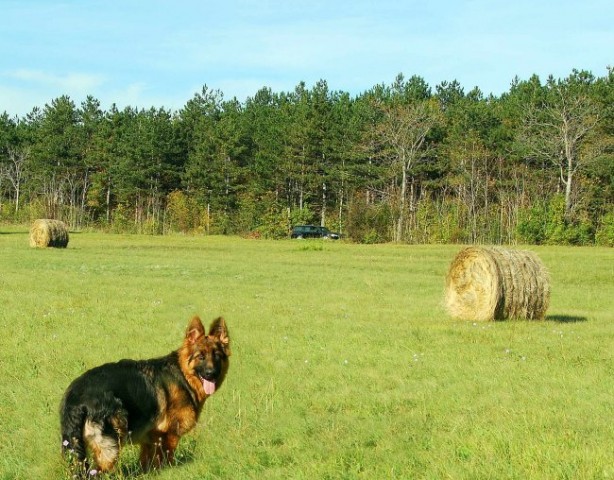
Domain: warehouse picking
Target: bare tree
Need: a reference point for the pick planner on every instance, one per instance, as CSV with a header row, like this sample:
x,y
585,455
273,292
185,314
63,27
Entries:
x,y
563,130
470,179
15,171
402,140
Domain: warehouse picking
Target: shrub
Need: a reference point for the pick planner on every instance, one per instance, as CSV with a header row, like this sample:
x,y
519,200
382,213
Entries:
x,y
303,216
545,223
368,223
605,232
533,223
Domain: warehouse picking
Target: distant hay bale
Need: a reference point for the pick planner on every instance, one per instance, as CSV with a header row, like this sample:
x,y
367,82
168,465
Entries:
x,y
496,284
48,233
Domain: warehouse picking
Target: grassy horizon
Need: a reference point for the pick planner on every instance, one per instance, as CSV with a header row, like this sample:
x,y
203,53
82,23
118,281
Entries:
x,y
345,364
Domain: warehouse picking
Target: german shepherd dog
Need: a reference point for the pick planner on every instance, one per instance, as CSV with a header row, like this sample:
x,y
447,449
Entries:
x,y
148,402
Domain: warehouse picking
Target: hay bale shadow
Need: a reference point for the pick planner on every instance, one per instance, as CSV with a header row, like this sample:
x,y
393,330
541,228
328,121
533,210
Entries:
x,y
565,318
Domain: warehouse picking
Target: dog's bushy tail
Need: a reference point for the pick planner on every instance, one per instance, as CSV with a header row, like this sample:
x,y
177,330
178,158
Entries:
x,y
72,419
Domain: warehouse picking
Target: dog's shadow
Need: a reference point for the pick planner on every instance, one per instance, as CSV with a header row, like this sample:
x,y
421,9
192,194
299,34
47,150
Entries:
x,y
565,318
131,468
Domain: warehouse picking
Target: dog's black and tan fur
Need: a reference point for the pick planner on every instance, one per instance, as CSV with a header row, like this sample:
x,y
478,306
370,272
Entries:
x,y
147,402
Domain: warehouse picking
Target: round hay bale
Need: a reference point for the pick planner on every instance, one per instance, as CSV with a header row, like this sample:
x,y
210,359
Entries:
x,y
48,233
496,284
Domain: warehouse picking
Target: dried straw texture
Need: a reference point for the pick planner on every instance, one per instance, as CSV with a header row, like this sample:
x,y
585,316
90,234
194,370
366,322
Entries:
x,y
496,284
48,233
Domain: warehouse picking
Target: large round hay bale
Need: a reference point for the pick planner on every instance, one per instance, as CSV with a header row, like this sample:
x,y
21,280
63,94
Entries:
x,y
48,233
496,284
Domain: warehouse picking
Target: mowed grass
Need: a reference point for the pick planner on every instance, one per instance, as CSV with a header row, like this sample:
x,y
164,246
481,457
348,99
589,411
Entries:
x,y
345,364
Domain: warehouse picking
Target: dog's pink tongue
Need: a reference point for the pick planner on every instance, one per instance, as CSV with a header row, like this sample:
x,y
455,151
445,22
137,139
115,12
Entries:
x,y
208,386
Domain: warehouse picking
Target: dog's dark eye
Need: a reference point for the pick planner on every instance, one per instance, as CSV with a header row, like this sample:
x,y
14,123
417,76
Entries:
x,y
201,357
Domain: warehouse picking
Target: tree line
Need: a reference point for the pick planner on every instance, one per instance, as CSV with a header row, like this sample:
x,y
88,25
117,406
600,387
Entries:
x,y
402,162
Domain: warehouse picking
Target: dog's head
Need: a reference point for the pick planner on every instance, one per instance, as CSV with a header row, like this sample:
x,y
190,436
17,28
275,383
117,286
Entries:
x,y
206,355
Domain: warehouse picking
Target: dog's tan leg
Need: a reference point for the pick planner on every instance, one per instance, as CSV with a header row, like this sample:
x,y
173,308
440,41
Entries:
x,y
146,458
169,445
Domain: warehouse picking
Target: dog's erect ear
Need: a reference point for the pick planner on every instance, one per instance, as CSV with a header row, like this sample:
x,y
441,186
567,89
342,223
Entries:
x,y
195,330
219,330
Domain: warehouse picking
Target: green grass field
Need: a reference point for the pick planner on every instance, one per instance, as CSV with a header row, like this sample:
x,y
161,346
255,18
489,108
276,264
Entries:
x,y
344,365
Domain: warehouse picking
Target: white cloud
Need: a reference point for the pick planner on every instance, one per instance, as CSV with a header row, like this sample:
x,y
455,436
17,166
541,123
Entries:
x,y
128,55
71,83
19,101
23,89
33,82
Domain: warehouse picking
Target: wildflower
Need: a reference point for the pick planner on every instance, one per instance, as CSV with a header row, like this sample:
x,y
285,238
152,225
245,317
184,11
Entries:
x,y
65,443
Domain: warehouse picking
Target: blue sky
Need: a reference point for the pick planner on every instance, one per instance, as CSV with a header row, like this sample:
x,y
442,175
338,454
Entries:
x,y
159,53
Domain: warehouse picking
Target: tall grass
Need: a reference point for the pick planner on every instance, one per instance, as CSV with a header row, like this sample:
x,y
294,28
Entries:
x,y
344,362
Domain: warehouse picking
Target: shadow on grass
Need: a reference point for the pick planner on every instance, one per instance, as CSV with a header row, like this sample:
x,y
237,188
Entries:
x,y
133,470
565,318
129,467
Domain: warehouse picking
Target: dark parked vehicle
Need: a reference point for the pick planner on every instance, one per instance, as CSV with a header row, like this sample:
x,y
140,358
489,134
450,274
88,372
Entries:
x,y
312,231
